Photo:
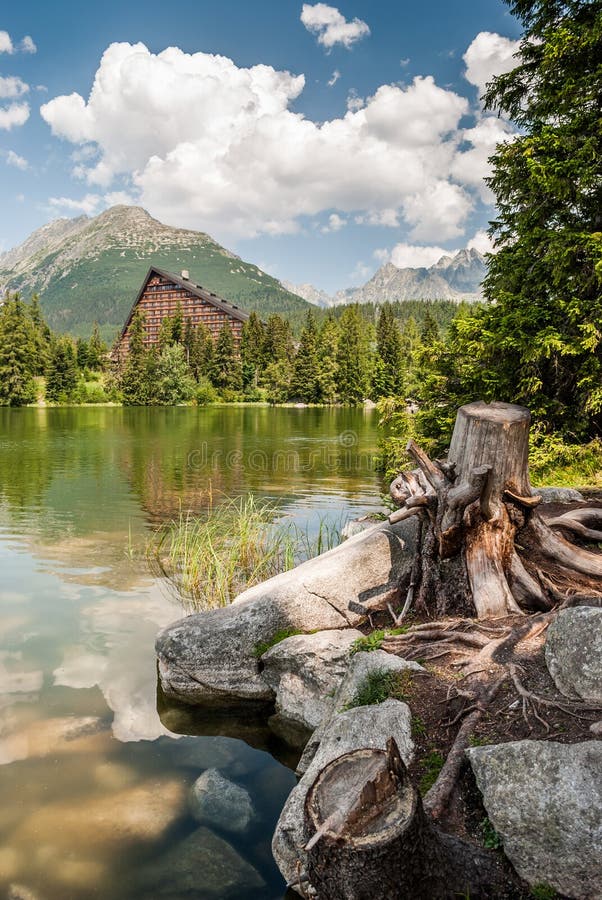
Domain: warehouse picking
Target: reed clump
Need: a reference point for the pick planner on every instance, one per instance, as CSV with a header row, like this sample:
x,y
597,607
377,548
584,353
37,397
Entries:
x,y
209,558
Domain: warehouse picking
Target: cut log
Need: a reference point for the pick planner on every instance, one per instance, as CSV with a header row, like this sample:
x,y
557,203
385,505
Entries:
x,y
369,837
479,506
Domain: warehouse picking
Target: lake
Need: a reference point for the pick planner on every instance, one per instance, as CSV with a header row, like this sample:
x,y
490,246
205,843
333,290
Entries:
x,y
95,767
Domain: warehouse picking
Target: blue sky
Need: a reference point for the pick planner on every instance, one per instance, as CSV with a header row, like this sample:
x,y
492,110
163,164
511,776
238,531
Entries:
x,y
317,140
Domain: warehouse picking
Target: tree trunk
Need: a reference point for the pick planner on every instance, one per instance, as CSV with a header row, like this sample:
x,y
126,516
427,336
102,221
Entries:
x,y
479,505
370,838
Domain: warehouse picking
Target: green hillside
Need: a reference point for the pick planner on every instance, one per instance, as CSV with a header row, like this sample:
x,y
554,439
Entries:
x,y
94,271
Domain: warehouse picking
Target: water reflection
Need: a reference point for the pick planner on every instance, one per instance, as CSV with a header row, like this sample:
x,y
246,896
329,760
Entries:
x,y
81,741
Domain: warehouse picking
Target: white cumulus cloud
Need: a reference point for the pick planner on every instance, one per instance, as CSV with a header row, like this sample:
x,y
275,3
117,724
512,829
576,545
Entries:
x,y
13,115
28,45
489,55
481,242
11,87
19,162
415,256
6,44
335,223
331,27
202,142
335,77
88,204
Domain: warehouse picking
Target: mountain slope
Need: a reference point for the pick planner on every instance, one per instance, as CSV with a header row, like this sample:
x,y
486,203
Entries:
x,y
88,270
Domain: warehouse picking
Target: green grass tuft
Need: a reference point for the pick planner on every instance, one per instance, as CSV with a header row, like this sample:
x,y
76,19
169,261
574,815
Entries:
x,y
209,559
374,640
543,892
433,763
380,686
282,635
491,839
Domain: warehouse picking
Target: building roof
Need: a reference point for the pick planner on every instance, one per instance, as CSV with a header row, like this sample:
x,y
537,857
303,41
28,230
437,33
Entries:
x,y
230,308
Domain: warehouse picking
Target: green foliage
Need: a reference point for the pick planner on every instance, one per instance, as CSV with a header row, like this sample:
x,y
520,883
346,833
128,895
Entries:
x,y
173,382
554,461
62,374
282,635
432,765
226,371
543,892
90,392
418,727
491,839
539,339
205,393
374,640
17,353
352,357
305,381
380,686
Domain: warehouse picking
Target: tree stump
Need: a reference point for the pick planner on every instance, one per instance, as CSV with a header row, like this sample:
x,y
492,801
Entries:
x,y
369,837
480,509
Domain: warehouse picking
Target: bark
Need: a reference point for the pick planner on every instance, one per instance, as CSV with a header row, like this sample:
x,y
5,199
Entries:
x,y
370,837
479,506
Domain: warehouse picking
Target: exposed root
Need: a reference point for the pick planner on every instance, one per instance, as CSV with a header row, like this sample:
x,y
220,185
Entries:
x,y
436,799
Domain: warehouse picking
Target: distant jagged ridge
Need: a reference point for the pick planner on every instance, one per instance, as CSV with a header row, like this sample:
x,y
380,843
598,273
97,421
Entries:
x,y
457,277
89,270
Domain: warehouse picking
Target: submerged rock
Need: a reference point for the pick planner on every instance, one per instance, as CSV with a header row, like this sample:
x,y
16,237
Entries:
x,y
217,802
211,658
574,652
545,801
202,865
305,671
364,726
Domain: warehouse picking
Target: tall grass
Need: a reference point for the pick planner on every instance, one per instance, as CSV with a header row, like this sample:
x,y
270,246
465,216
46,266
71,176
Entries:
x,y
209,559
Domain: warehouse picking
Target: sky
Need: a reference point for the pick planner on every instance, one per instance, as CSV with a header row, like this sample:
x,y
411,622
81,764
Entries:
x,y
318,141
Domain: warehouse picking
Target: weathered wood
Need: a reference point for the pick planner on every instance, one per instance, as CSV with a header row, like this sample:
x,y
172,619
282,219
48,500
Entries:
x,y
479,507
388,848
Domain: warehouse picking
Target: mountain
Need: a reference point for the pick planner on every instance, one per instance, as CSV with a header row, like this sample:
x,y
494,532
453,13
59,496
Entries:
x,y
89,270
310,293
456,277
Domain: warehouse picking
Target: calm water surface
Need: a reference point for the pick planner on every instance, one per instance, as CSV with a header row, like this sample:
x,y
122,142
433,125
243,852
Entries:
x,y
94,768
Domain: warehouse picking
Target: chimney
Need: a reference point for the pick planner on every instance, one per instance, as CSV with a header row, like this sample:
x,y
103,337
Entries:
x,y
185,274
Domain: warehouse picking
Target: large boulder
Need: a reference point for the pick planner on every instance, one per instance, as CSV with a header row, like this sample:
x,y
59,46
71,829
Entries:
x,y
361,667
545,801
574,652
305,671
219,803
364,726
211,659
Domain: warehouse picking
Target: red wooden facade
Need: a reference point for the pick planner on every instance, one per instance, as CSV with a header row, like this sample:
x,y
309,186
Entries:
x,y
161,294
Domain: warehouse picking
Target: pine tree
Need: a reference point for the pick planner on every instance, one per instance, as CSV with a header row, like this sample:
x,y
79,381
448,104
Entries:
x,y
389,354
82,354
226,373
42,337
188,340
165,338
134,380
17,354
251,351
202,352
97,351
61,376
327,360
278,343
539,341
177,325
305,384
351,357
